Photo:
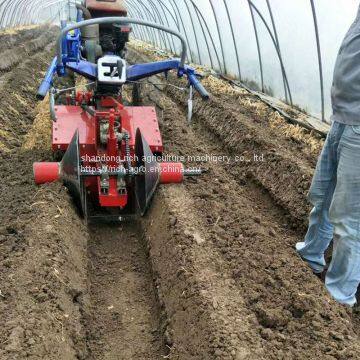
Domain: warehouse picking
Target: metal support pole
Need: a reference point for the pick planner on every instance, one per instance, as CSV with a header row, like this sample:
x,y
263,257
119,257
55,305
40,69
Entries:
x,y
147,33
233,37
258,46
319,61
198,12
173,3
163,8
151,32
278,45
275,45
219,35
205,38
151,17
194,31
135,8
4,13
144,33
160,20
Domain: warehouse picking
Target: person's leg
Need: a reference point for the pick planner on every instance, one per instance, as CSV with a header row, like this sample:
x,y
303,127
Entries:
x,y
320,231
343,276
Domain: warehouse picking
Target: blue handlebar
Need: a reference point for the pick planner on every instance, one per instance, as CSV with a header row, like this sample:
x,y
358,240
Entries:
x,y
43,90
198,86
47,82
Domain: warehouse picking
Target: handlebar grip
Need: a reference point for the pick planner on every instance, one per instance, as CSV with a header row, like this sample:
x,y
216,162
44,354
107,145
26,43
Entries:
x,y
43,89
120,68
198,86
46,84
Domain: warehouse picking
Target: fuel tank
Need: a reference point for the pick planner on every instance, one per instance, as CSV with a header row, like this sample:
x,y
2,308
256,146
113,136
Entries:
x,y
103,8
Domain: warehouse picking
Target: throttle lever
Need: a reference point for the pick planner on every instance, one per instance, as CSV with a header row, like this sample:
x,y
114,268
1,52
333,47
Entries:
x,y
118,69
120,66
190,104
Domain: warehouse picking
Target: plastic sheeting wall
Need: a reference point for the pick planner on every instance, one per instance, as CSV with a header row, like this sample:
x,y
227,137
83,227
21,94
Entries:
x,y
252,55
241,38
15,13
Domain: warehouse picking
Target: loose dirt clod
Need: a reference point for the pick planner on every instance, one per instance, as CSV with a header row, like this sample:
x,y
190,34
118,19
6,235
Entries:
x,y
39,136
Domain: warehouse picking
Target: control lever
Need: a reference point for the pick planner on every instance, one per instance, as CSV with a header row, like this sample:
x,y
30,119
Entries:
x,y
118,69
190,104
120,66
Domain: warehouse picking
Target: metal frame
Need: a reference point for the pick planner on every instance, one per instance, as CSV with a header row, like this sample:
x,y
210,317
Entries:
x,y
156,11
318,47
277,43
285,79
176,9
163,7
170,13
254,11
204,35
233,37
219,34
24,12
257,45
194,31
209,34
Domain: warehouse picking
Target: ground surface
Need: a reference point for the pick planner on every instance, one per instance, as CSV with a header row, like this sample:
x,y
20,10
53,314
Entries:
x,y
209,273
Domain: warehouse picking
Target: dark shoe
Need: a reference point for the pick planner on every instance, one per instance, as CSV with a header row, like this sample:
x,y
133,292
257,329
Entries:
x,y
321,275
358,297
356,309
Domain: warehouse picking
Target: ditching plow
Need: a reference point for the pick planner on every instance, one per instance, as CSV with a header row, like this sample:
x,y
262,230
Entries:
x,y
109,151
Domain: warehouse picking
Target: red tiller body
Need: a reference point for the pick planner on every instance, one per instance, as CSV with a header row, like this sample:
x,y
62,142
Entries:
x,y
109,154
72,117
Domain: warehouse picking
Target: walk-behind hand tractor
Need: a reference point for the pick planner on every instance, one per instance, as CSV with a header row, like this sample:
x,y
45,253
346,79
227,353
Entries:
x,y
108,161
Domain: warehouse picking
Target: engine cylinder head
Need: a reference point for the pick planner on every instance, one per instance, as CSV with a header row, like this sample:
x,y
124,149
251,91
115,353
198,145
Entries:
x,y
90,32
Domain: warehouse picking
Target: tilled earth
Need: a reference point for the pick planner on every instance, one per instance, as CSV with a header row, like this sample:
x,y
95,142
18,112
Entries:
x,y
209,273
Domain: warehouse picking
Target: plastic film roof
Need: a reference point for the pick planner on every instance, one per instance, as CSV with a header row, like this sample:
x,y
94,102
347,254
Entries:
x,y
284,48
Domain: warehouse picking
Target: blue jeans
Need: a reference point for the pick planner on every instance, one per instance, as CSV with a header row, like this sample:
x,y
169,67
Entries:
x,y
335,195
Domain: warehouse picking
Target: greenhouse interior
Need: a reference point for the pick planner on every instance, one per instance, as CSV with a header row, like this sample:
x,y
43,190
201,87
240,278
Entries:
x,y
180,179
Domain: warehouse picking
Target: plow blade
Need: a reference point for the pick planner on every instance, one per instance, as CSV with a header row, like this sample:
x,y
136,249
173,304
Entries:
x,y
68,170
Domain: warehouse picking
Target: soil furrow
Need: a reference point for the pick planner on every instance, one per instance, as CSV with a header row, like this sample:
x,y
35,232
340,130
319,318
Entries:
x,y
290,310
13,56
284,174
124,317
67,292
17,97
17,37
41,263
209,273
